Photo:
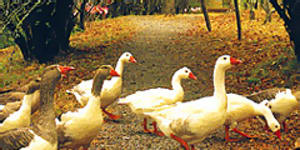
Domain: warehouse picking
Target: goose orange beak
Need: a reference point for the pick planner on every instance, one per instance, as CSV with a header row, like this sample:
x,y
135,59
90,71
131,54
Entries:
x,y
277,133
114,73
64,70
132,60
234,61
192,76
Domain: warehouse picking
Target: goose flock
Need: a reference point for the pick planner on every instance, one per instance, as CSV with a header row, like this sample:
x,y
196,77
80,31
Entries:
x,y
186,122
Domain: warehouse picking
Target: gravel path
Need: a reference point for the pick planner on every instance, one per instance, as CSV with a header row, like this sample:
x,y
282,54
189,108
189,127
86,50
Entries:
x,y
159,52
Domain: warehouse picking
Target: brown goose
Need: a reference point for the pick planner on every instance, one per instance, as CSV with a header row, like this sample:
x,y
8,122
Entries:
x,y
42,135
12,101
79,128
282,102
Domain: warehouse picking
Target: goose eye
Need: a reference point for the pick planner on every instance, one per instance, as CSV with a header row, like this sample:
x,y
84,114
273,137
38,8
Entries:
x,y
186,71
270,106
225,58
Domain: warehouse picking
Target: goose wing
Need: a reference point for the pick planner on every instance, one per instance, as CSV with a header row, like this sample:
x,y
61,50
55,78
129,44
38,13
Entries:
x,y
15,138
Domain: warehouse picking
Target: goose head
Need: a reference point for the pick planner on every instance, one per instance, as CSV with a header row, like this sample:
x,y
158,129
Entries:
x,y
108,71
271,121
33,85
128,58
64,70
105,72
227,61
186,73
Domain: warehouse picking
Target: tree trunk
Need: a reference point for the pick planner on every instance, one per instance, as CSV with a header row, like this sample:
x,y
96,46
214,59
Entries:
x,y
45,31
238,20
295,28
266,7
82,14
291,21
169,7
252,14
205,15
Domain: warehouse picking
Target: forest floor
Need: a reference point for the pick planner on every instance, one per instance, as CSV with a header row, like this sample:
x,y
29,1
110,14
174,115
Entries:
x,y
161,45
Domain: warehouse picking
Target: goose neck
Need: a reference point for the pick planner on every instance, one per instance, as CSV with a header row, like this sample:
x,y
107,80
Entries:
x,y
120,66
26,104
45,125
176,83
94,102
219,86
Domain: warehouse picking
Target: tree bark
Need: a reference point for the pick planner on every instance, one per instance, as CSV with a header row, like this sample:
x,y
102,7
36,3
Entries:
x,y
169,7
252,5
291,21
266,7
82,14
295,28
238,20
203,7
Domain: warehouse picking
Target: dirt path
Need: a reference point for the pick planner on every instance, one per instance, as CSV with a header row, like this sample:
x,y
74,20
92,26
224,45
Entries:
x,y
160,52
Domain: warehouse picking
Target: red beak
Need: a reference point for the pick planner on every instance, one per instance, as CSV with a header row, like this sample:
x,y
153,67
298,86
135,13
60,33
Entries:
x,y
114,73
64,70
132,60
192,76
234,61
277,133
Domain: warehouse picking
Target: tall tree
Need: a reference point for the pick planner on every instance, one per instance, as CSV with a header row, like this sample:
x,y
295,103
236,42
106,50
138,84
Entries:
x,y
238,20
169,7
40,28
290,13
205,15
252,5
265,4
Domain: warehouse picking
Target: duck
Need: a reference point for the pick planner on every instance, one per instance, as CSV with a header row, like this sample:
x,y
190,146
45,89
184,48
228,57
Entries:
x,y
148,100
191,122
241,108
21,117
111,88
281,101
42,134
79,128
12,101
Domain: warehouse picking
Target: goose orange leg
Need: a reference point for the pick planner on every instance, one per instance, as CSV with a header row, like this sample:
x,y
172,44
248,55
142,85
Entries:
x,y
227,137
181,141
110,115
242,133
145,126
159,133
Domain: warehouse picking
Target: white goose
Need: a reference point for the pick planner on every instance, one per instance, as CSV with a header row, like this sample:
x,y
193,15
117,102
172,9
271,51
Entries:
x,y
78,128
241,108
193,121
148,100
111,89
21,118
42,135
283,105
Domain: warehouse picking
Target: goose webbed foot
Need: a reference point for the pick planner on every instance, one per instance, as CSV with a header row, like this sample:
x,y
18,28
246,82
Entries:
x,y
181,141
243,134
110,115
159,133
144,124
